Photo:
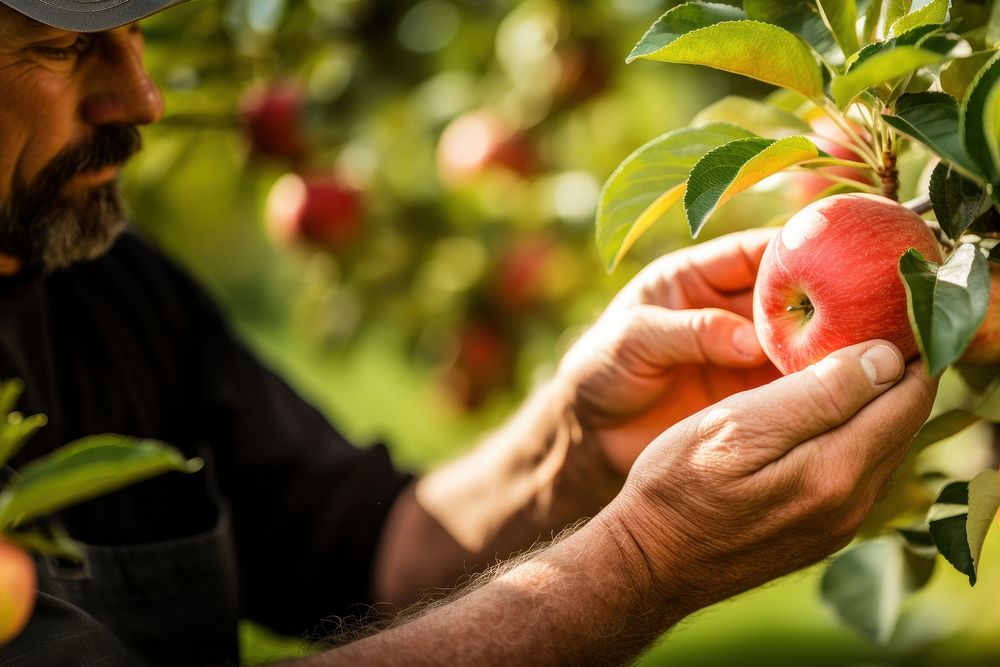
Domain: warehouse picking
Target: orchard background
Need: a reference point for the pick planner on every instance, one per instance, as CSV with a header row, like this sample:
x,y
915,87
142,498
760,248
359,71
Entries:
x,y
472,139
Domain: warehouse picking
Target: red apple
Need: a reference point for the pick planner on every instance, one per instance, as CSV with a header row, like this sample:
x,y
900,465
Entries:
x,y
984,350
17,590
805,186
830,279
519,283
478,141
272,119
316,209
483,362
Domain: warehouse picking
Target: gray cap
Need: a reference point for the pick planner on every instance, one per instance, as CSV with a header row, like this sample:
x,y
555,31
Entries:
x,y
88,15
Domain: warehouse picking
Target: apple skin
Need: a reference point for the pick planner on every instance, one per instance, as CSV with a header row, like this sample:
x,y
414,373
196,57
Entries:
x,y
17,581
272,118
984,350
317,209
838,257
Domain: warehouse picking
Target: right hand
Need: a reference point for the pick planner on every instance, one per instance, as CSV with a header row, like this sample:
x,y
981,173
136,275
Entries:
x,y
17,590
772,479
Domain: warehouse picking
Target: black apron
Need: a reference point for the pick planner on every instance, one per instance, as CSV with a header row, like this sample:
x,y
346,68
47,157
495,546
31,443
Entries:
x,y
163,603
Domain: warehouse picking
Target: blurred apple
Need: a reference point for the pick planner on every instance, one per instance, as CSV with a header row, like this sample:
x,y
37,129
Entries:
x,y
584,72
17,590
477,141
272,116
805,186
317,209
518,281
984,350
483,362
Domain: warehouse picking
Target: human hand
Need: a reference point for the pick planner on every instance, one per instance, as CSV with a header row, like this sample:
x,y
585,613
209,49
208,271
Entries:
x,y
772,479
17,590
677,339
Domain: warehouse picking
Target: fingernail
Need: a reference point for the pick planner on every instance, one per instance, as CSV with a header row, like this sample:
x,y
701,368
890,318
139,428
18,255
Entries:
x,y
881,365
745,341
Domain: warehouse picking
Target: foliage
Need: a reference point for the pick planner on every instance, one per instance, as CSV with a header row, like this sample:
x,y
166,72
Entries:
x,y
77,472
890,79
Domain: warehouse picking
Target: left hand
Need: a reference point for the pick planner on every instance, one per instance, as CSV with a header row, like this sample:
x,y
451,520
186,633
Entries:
x,y
676,339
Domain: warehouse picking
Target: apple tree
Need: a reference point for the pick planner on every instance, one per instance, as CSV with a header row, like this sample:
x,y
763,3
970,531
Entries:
x,y
860,88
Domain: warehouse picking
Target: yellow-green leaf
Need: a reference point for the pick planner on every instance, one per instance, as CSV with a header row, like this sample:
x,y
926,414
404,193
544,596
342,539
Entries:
x,y
935,12
841,16
984,501
879,68
734,167
754,49
648,182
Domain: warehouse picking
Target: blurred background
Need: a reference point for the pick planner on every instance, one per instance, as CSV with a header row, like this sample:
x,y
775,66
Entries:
x,y
394,202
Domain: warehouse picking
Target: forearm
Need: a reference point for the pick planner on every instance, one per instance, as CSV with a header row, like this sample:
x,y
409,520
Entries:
x,y
587,599
527,482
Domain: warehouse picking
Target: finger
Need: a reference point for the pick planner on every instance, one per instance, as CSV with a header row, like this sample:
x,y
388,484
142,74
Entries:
x,y
881,433
729,263
803,405
662,338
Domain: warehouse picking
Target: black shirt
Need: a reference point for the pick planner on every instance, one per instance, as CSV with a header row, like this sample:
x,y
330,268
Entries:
x,y
282,524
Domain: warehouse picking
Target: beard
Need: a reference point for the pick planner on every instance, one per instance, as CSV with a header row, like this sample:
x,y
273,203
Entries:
x,y
45,229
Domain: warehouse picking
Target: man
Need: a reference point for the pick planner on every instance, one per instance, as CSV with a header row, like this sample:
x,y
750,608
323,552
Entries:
x,y
705,475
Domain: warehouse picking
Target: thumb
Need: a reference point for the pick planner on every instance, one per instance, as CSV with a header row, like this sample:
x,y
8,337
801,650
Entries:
x,y
820,397
702,336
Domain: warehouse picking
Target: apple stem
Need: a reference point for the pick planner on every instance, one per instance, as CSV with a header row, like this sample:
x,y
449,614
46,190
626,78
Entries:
x,y
805,305
889,174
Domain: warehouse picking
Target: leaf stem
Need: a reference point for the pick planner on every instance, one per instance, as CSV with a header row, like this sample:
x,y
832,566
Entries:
x,y
864,187
860,146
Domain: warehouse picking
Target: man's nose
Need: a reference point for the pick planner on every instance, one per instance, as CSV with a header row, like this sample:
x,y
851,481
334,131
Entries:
x,y
119,90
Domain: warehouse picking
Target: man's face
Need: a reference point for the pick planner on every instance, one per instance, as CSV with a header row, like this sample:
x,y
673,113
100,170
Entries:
x,y
69,106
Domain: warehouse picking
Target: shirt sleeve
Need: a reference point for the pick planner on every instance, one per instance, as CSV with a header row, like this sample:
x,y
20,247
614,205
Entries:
x,y
308,508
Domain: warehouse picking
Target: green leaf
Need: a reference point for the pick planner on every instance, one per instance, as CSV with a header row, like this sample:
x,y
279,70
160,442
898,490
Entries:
x,y
15,428
841,17
10,393
681,20
932,119
993,27
882,66
984,503
758,117
801,17
957,200
734,167
707,34
974,114
15,433
873,17
957,75
896,9
646,184
933,13
947,303
961,518
943,426
867,584
83,470
49,539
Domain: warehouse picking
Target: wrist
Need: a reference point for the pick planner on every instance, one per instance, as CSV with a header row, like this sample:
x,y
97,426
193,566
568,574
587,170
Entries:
x,y
655,598
643,537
